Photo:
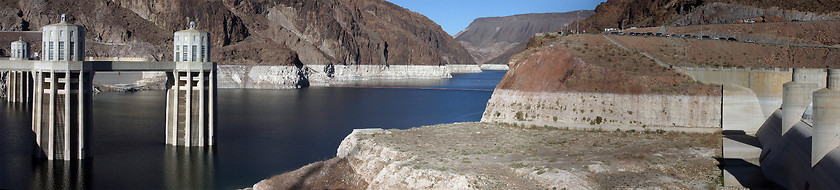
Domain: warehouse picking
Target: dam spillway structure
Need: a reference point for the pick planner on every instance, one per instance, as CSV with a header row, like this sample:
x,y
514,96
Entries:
x,y
807,155
796,96
191,94
826,120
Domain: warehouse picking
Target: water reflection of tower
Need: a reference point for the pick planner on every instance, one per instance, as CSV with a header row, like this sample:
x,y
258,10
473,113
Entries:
x,y
189,167
57,174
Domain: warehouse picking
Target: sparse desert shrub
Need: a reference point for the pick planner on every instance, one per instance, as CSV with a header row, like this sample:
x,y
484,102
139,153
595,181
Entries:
x,y
520,116
518,165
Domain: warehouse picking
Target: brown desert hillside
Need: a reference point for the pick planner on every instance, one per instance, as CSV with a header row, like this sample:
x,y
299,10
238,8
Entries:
x,y
719,53
591,63
493,40
640,13
594,63
266,32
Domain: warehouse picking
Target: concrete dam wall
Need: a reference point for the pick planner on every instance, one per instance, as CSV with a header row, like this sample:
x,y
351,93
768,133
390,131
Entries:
x,y
763,82
750,95
605,110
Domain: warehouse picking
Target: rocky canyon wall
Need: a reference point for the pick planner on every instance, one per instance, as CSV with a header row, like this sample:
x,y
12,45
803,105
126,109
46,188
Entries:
x,y
251,32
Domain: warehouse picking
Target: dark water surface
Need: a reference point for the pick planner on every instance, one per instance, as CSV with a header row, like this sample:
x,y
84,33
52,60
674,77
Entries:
x,y
261,133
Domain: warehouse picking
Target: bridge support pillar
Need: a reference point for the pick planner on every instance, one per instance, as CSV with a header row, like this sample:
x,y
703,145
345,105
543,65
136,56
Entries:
x,y
18,86
190,107
62,110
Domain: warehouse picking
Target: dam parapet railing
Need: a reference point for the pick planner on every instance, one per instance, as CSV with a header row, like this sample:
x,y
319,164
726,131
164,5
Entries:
x,y
710,68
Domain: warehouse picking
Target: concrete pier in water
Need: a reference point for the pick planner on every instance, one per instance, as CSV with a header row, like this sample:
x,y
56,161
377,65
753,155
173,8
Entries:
x,y
19,86
60,87
191,94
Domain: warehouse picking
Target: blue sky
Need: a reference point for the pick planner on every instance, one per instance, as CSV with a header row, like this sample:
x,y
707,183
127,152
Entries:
x,y
455,15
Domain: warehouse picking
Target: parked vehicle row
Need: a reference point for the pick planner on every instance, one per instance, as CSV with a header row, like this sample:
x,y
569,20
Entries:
x,y
704,37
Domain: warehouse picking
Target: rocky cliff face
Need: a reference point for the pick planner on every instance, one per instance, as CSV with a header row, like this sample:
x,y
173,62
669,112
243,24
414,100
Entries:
x,y
614,13
493,40
251,32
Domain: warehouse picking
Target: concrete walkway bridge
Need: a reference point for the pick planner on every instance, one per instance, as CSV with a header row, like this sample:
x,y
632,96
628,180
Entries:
x,y
60,87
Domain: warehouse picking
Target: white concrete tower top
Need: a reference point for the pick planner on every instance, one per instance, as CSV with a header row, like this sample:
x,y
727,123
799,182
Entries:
x,y
20,50
63,41
191,45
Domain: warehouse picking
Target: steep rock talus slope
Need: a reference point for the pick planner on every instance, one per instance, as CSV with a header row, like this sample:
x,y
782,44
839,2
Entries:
x,y
251,32
493,40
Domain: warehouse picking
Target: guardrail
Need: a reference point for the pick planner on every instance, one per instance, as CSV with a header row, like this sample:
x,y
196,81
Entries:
x,y
710,68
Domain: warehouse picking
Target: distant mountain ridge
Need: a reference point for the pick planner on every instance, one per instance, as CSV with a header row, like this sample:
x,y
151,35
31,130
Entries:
x,y
490,39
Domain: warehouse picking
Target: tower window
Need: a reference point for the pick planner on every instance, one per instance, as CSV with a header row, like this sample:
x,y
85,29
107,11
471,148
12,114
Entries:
x,y
203,49
185,53
61,51
72,53
194,49
51,51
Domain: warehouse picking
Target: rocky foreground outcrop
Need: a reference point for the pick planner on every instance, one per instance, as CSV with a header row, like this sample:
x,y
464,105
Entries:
x,y
490,156
250,32
492,40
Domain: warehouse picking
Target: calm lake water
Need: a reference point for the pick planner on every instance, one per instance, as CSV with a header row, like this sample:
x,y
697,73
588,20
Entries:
x,y
261,133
